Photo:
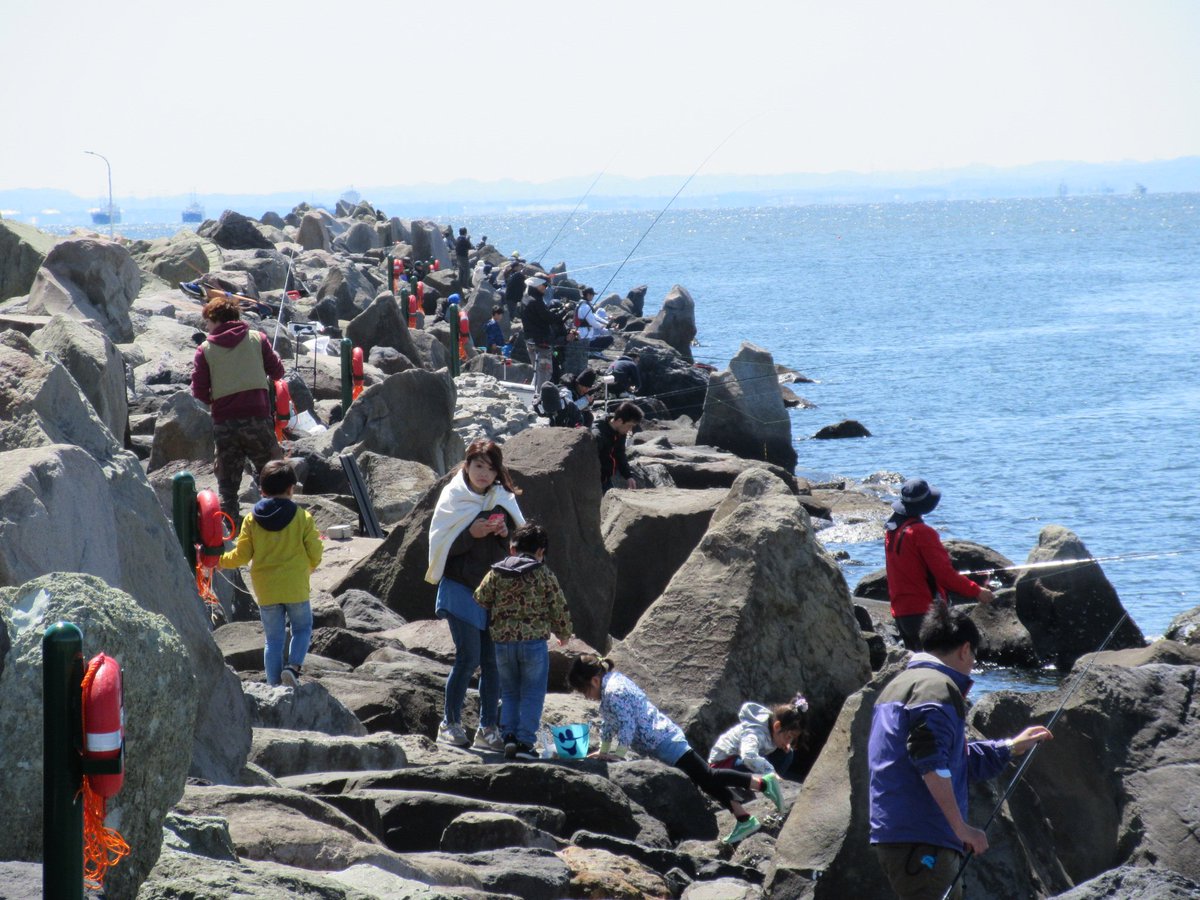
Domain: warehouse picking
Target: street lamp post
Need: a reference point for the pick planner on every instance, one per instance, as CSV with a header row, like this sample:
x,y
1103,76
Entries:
x,y
110,206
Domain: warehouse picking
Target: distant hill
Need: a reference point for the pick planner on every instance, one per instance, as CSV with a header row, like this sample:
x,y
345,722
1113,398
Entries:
x,y
612,192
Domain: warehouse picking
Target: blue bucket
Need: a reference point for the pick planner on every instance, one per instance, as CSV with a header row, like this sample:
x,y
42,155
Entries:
x,y
571,741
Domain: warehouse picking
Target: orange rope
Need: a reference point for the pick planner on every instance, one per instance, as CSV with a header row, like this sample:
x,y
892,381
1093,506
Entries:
x,y
103,847
204,586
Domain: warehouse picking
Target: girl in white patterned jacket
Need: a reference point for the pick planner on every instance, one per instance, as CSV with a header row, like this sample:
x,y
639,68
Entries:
x,y
763,739
629,721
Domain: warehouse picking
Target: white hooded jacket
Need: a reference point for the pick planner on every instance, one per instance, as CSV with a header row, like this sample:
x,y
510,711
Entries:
x,y
749,740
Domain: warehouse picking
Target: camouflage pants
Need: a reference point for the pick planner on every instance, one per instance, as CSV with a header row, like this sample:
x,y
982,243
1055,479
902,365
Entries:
x,y
238,440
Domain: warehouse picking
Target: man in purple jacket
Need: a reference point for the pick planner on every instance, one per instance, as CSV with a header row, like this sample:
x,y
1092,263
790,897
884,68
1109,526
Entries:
x,y
921,761
232,371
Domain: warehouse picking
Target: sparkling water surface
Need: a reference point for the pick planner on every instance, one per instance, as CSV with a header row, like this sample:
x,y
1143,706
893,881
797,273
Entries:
x,y
1036,359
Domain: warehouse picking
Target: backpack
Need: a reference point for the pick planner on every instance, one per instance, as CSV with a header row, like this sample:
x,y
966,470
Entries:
x,y
581,319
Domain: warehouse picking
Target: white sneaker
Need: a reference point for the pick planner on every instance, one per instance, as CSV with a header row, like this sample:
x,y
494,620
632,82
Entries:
x,y
452,734
489,739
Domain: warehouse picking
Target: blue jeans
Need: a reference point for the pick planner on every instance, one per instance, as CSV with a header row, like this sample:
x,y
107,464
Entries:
x,y
300,617
473,649
524,669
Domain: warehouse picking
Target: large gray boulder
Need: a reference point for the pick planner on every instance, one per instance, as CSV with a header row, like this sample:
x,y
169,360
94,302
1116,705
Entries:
x,y
183,257
676,322
183,430
558,472
44,406
283,752
744,411
428,243
234,231
409,415
348,288
160,705
382,325
358,238
23,249
88,278
313,234
1117,785
1185,627
1070,610
267,268
1136,883
824,848
95,364
649,535
395,486
764,589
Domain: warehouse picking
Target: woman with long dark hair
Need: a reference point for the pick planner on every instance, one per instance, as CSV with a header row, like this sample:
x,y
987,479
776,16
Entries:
x,y
474,514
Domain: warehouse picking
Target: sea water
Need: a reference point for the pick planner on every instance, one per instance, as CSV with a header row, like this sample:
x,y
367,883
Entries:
x,y
1035,359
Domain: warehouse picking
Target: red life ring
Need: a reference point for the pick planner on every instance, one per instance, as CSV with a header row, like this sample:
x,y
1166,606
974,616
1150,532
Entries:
x,y
356,370
283,407
414,307
211,528
103,720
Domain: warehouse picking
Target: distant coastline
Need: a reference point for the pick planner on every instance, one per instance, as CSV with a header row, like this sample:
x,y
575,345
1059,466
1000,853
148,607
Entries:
x,y
617,193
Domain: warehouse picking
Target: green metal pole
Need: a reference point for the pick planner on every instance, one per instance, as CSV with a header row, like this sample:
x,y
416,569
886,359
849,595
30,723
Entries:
x,y
347,376
62,802
183,513
452,315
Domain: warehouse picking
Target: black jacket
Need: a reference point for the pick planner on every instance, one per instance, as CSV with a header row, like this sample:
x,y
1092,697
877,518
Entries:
x,y
462,245
612,452
538,320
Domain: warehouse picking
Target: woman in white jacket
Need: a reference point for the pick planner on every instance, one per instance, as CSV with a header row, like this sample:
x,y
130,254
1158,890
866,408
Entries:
x,y
763,739
592,323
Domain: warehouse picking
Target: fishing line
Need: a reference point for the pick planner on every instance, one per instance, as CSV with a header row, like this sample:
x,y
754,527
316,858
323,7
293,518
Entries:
x,y
571,215
1033,750
1071,563
677,193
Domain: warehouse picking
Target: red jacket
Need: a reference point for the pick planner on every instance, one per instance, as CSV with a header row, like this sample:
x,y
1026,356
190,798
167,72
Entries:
x,y
916,562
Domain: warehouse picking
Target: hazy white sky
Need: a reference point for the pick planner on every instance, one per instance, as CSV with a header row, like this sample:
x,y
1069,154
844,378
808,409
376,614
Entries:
x,y
256,96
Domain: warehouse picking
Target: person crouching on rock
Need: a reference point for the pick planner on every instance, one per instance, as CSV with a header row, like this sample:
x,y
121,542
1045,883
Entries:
x,y
918,564
231,372
281,543
763,739
526,606
469,532
629,721
920,761
610,441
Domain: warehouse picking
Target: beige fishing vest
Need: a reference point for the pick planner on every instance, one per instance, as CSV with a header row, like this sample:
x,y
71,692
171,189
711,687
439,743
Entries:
x,y
236,369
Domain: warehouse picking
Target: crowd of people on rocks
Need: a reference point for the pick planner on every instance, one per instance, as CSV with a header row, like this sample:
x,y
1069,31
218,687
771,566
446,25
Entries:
x,y
498,593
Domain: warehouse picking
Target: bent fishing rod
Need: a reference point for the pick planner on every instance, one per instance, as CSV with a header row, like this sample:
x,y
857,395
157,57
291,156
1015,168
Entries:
x,y
571,215
686,182
1087,560
1012,784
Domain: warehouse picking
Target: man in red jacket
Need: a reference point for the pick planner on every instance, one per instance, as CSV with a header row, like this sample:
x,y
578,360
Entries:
x,y
232,371
918,566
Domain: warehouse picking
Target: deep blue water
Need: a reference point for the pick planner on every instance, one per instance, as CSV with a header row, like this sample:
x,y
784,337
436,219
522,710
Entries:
x,y
1036,359
1033,358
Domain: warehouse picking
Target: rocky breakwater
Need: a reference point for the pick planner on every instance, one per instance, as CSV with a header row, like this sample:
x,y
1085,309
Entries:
x,y
708,585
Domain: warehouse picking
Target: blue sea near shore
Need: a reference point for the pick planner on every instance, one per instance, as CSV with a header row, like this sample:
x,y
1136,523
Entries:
x,y
1036,359
1033,358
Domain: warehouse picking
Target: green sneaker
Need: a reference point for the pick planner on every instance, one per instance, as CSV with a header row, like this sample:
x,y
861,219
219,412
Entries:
x,y
770,787
741,831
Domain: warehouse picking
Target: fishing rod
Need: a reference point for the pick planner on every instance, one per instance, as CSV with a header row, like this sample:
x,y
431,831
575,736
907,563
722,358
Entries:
x,y
1066,563
571,215
677,193
1033,750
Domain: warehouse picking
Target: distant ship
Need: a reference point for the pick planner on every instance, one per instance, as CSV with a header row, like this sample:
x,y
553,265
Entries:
x,y
100,215
194,212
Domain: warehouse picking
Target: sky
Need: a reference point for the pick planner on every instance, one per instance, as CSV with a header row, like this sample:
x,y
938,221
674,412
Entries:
x,y
259,96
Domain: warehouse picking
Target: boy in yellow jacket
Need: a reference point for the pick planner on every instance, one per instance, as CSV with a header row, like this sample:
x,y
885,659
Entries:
x,y
282,540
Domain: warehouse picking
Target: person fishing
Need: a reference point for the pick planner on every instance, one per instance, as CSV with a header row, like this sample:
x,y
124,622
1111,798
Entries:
x,y
920,761
918,566
232,372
